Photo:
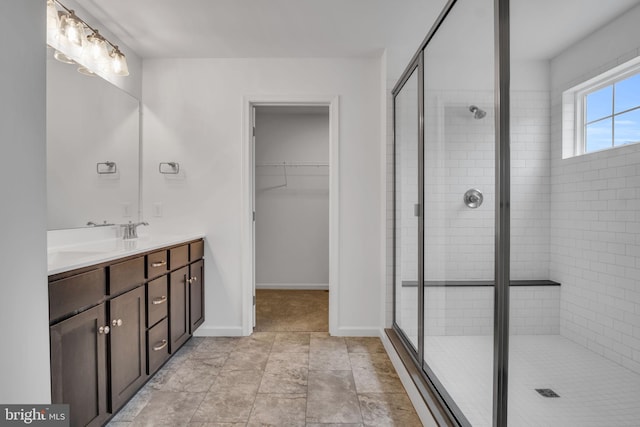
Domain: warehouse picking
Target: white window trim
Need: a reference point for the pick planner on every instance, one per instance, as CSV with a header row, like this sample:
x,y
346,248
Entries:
x,y
573,111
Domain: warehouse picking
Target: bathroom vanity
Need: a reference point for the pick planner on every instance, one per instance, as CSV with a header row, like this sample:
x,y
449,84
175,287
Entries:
x,y
118,310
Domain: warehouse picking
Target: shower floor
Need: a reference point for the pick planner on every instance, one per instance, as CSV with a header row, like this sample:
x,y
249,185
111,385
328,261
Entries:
x,y
593,391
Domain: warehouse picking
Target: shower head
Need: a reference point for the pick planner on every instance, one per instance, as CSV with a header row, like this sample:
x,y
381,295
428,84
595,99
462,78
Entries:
x,y
477,112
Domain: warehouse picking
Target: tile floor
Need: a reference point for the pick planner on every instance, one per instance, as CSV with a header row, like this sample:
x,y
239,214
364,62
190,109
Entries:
x,y
594,391
273,378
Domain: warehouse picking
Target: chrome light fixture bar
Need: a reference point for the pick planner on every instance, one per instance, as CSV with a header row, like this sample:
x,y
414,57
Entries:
x,y
76,42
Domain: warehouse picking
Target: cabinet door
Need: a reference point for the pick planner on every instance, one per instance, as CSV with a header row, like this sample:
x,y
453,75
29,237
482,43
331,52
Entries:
x,y
78,367
128,351
196,295
178,308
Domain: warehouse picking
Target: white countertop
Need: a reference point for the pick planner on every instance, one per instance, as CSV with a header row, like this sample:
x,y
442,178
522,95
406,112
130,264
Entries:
x,y
69,257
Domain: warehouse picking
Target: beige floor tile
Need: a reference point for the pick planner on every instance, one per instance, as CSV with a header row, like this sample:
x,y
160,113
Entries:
x,y
291,342
246,381
135,405
275,378
332,360
243,360
279,410
194,380
331,398
230,407
214,346
167,408
388,409
364,345
334,425
326,343
204,424
285,373
285,380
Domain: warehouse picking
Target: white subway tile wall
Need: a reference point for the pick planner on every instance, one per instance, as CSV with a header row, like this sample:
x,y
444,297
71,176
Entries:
x,y
460,153
595,241
468,310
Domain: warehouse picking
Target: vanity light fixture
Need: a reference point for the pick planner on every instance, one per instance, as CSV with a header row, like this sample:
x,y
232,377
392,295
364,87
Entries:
x,y
76,42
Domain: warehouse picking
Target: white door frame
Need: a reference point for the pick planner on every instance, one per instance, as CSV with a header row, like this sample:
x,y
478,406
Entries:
x,y
248,267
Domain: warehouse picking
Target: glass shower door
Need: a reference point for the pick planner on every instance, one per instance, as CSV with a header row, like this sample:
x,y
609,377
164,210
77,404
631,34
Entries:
x,y
459,204
407,209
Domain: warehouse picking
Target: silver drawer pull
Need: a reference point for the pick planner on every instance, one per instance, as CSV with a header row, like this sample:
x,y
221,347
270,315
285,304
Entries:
x,y
162,345
159,264
160,300
194,279
116,322
103,330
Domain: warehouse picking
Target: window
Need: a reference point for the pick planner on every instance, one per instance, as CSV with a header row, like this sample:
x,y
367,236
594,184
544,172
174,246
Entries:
x,y
604,112
612,115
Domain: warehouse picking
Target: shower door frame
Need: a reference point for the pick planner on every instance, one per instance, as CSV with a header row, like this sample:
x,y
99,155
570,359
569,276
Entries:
x,y
502,220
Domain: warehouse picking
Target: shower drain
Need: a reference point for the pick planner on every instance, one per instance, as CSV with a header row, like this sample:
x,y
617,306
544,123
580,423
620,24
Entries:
x,y
547,392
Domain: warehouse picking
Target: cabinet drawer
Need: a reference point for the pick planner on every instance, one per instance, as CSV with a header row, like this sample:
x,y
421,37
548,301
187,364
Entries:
x,y
179,256
69,295
158,345
126,275
157,264
157,300
196,250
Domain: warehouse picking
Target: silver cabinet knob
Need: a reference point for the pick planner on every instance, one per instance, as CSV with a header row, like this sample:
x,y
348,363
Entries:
x,y
117,322
103,330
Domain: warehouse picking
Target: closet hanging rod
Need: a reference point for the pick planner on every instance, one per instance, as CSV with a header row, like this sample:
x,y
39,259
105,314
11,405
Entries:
x,y
293,164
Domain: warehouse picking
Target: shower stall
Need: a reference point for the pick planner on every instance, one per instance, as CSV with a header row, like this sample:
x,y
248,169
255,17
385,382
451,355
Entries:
x,y
516,246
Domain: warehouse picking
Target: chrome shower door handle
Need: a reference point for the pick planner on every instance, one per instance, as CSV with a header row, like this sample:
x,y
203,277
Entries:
x,y
473,198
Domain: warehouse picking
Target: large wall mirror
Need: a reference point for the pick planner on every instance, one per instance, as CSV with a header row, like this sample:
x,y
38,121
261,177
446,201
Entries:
x,y
92,150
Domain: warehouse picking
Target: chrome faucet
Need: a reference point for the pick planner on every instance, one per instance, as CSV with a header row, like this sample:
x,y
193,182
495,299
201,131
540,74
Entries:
x,y
131,229
93,224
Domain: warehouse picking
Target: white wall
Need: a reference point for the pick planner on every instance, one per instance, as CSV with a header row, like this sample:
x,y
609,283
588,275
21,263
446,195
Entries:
x,y
193,115
595,199
292,212
24,318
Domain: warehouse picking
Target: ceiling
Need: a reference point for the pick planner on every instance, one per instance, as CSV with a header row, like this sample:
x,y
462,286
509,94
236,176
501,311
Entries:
x,y
265,28
331,28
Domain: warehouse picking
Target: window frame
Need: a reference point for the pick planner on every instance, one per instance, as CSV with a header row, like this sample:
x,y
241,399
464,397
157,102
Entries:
x,y
576,96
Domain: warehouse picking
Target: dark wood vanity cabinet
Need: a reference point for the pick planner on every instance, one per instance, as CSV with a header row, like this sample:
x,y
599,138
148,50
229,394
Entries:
x,y
128,348
79,368
115,324
196,295
178,308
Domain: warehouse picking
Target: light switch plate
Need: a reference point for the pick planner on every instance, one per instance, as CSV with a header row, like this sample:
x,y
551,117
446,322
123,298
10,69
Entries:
x,y
157,209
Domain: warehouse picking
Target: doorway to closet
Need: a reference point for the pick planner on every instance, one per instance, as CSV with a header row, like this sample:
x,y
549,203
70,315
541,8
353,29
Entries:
x,y
291,204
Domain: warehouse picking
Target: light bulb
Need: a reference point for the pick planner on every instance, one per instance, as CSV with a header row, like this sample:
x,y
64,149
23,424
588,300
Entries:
x,y
53,23
119,63
72,33
95,53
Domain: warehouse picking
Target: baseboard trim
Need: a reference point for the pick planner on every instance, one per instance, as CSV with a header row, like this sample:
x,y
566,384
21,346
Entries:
x,y
294,286
218,331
